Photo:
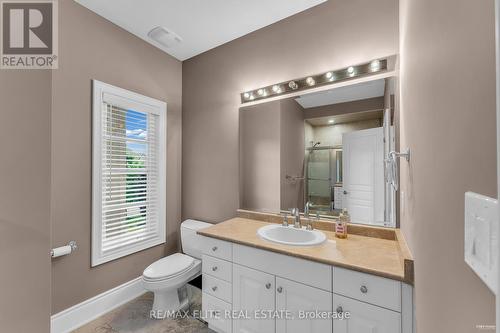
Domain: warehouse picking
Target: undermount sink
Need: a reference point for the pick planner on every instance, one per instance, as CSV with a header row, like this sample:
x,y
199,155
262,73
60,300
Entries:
x,y
291,236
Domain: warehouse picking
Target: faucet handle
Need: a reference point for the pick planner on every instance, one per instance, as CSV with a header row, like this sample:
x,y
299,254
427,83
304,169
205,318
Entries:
x,y
309,224
285,219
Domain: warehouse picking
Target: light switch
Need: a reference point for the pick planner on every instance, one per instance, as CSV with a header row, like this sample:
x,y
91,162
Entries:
x,y
481,237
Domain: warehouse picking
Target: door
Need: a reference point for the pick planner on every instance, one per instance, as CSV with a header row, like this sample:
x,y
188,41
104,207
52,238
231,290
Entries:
x,y
364,317
363,156
294,298
253,294
319,178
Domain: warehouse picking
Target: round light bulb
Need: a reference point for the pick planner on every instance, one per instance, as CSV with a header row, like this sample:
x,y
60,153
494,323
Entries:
x,y
329,76
331,121
293,85
251,97
260,92
375,65
276,89
350,70
246,95
310,81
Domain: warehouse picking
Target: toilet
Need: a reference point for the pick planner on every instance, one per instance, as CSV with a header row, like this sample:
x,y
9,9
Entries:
x,y
165,277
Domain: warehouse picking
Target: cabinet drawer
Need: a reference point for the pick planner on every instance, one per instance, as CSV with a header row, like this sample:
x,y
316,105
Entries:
x,y
216,267
367,288
304,271
364,317
217,287
216,313
217,248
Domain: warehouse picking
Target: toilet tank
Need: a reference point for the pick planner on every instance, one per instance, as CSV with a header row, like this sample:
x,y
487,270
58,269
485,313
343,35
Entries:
x,y
190,241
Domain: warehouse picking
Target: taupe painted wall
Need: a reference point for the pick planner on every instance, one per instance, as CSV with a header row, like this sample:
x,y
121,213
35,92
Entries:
x,y
448,121
368,104
292,153
331,135
260,128
25,97
93,48
332,35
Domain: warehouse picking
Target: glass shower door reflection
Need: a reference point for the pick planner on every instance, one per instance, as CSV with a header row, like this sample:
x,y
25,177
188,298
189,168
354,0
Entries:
x,y
318,179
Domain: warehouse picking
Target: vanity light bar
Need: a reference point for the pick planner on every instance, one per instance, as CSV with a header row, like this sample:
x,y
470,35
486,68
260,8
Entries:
x,y
308,82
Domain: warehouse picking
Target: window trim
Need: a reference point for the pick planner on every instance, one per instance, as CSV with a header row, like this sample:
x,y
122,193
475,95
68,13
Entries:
x,y
140,103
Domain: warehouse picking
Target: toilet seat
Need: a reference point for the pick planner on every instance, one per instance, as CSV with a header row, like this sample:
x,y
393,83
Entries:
x,y
168,267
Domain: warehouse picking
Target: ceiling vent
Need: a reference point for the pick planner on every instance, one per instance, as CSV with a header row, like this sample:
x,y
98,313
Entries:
x,y
164,36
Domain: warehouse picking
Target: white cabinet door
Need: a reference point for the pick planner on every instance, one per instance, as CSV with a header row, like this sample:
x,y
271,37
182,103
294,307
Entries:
x,y
364,317
254,294
298,300
363,159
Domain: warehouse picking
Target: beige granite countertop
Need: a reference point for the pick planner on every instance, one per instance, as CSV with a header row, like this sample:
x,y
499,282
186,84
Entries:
x,y
372,255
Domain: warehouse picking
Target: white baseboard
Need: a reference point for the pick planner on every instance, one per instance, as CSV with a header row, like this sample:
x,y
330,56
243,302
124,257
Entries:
x,y
82,313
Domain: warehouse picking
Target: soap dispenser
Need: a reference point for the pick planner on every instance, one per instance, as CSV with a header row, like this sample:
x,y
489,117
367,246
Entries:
x,y
341,225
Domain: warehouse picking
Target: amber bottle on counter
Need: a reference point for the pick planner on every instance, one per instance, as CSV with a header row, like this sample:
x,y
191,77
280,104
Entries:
x,y
341,225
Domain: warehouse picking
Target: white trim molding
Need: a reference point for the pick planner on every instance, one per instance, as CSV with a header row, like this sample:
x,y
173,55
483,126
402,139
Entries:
x,y
147,206
83,313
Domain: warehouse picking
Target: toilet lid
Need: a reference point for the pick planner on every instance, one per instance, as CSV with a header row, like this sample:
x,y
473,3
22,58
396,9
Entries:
x,y
169,266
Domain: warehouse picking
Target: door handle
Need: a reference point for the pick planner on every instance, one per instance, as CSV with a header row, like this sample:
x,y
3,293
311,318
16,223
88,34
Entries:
x,y
345,192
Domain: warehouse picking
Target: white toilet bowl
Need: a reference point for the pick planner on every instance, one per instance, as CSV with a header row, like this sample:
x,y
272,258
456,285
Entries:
x,y
166,276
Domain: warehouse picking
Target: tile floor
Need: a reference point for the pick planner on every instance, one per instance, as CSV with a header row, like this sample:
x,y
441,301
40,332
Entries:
x,y
133,317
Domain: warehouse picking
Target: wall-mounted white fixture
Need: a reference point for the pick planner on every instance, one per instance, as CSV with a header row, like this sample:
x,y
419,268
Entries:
x,y
63,250
313,81
481,237
165,37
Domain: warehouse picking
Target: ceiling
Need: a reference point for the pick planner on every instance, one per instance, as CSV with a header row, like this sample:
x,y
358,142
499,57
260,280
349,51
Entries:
x,y
201,24
350,93
346,118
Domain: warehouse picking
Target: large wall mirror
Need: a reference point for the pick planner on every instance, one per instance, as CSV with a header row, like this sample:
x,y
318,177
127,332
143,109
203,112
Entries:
x,y
322,152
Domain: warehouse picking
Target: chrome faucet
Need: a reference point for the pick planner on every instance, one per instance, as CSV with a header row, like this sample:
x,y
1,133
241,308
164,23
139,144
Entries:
x,y
306,209
296,215
285,219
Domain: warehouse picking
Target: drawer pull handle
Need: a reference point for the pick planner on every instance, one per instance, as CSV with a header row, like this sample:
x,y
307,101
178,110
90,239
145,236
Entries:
x,y
268,286
214,288
363,289
214,248
280,290
214,268
340,310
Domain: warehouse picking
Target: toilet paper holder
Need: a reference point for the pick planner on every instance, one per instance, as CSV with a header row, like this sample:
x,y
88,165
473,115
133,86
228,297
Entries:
x,y
63,250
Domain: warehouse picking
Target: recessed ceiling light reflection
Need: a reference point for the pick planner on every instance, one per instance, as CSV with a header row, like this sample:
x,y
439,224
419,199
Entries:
x,y
375,65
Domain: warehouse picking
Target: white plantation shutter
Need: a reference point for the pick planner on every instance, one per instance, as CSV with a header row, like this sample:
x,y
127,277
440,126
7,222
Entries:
x,y
129,171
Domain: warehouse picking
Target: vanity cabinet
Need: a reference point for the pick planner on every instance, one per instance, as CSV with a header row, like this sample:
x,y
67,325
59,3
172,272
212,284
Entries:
x,y
217,269
268,292
253,291
364,317
296,297
268,298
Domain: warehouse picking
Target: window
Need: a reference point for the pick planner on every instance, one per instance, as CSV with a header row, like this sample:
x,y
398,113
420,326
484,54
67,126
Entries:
x,y
129,170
